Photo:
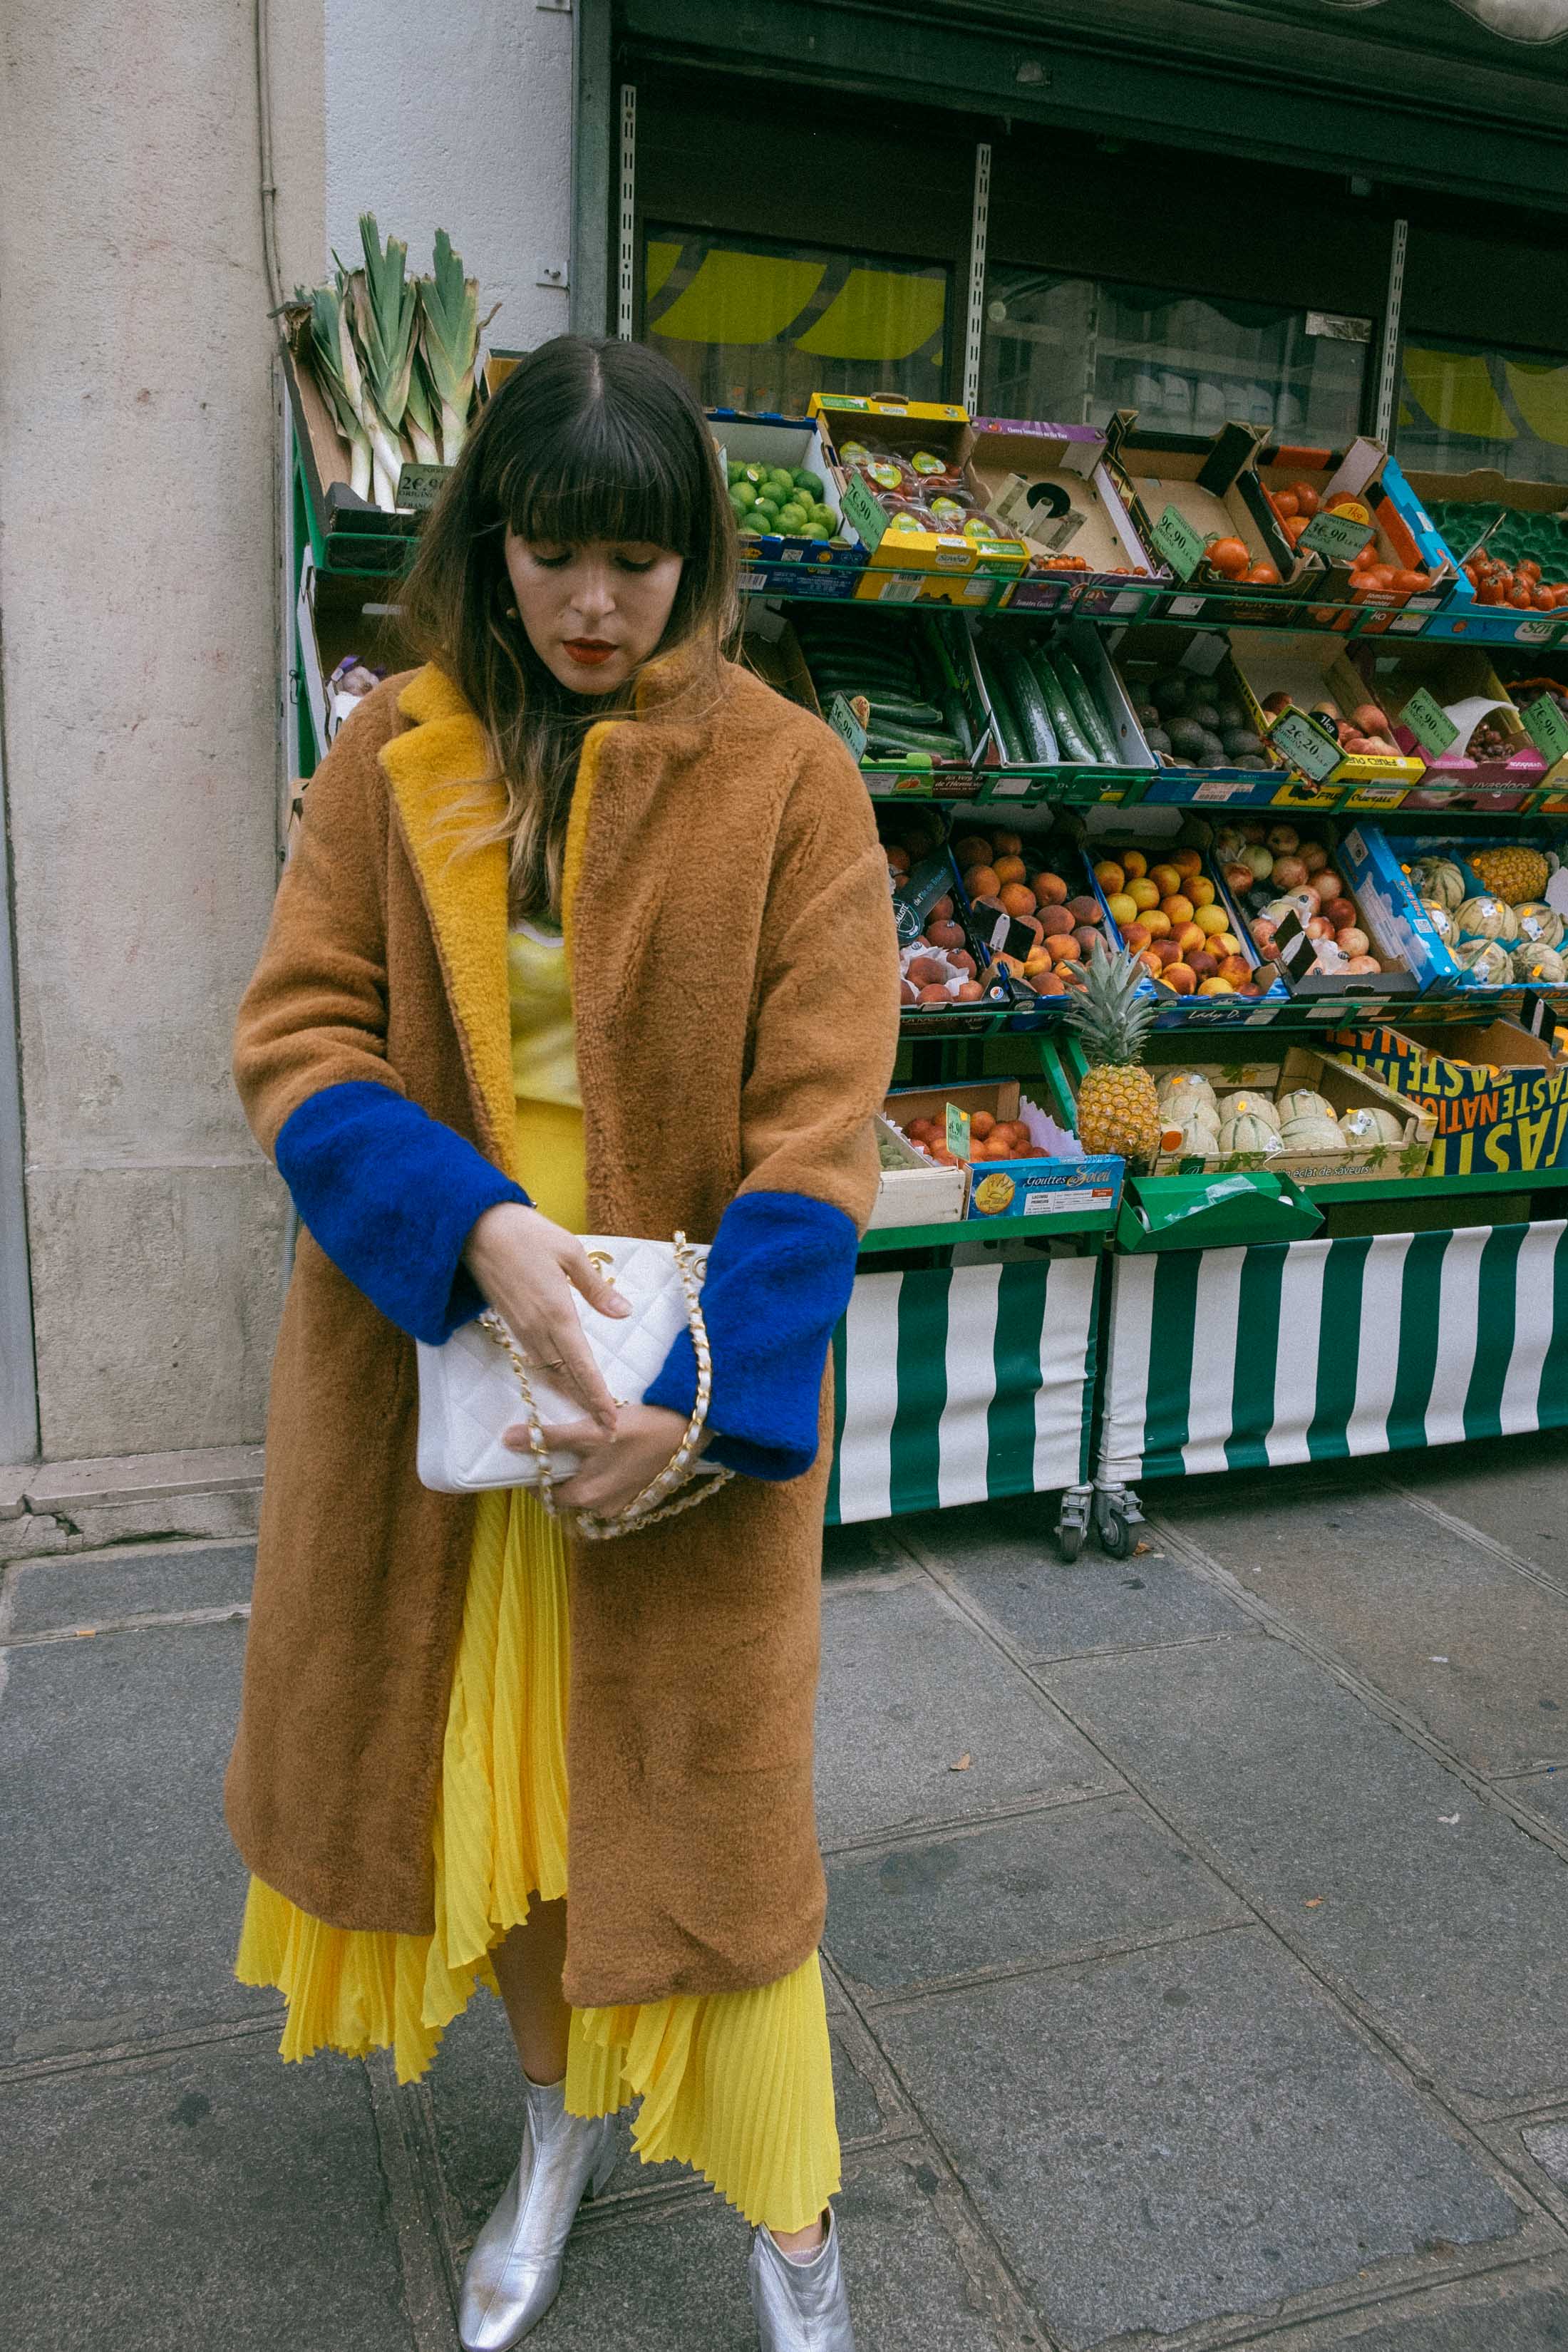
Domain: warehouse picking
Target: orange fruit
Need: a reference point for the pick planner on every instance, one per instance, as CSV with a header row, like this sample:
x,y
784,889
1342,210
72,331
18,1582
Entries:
x,y
1016,899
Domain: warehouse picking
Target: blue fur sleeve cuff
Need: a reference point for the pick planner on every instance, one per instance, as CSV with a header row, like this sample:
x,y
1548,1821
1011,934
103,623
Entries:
x,y
779,1277
391,1195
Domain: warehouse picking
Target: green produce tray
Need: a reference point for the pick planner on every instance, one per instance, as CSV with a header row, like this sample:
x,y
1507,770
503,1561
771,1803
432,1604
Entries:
x,y
1193,1212
1518,537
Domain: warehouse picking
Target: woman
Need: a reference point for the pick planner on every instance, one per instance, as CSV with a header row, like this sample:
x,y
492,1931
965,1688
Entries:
x,y
586,931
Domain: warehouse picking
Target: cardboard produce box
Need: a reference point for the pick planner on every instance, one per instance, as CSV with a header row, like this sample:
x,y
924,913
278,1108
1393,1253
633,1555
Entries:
x,y
911,1190
1345,1089
1050,483
1184,490
1297,662
324,457
747,439
1496,1095
962,564
1485,514
1032,1187
1437,696
1385,515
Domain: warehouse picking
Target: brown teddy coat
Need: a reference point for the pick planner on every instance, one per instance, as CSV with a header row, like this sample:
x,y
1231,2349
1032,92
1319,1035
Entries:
x,y
734,973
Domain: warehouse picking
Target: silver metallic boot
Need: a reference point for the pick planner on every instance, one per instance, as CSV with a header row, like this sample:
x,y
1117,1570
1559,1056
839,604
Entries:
x,y
800,2306
514,2271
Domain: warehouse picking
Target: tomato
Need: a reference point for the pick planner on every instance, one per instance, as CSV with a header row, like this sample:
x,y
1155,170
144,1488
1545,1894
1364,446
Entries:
x,y
1306,498
1530,569
1286,504
1544,600
1295,526
1230,556
1265,575
1488,592
1524,597
1407,582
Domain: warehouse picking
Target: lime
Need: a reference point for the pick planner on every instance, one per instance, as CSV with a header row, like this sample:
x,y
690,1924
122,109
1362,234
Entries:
x,y
824,515
750,527
813,531
743,494
793,518
766,506
785,481
734,470
808,481
757,474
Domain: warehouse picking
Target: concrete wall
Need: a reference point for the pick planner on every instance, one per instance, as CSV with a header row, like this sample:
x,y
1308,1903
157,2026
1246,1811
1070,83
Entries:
x,y
459,119
137,601
139,606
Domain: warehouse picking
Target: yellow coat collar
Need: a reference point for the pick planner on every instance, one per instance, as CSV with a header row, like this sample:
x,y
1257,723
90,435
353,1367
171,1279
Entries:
x,y
445,789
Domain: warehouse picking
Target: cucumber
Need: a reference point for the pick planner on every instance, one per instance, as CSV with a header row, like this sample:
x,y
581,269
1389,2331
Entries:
x,y
1033,718
899,711
956,719
1086,710
892,743
1014,750
1069,735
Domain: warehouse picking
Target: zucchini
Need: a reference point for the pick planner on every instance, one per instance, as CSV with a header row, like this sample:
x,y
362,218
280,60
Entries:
x,y
1033,718
1059,711
1086,710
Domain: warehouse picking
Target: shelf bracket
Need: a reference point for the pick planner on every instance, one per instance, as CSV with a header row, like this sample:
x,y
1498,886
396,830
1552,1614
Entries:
x,y
979,228
1388,382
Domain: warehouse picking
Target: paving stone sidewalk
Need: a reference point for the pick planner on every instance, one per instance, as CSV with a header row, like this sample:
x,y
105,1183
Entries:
x,y
1198,1958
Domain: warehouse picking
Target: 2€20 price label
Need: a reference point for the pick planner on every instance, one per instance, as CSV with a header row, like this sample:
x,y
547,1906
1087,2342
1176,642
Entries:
x,y
1337,536
1309,748
1179,543
1546,727
1427,720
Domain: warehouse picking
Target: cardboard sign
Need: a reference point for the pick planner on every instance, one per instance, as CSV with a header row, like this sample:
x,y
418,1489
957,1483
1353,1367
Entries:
x,y
1306,745
958,1123
1498,1095
1337,536
1179,543
1427,720
1546,727
843,721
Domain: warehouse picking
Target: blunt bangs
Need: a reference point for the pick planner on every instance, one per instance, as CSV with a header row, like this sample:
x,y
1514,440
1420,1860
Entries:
x,y
601,478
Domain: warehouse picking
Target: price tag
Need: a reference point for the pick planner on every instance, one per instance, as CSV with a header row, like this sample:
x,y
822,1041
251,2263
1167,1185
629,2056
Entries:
x,y
842,720
1546,727
1179,543
1424,716
420,486
1336,536
1306,745
957,1131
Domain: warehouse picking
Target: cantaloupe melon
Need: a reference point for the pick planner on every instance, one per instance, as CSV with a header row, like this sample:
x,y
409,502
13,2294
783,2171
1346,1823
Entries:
x,y
1249,1105
1303,1102
1368,1124
1487,918
1487,963
1247,1133
1540,924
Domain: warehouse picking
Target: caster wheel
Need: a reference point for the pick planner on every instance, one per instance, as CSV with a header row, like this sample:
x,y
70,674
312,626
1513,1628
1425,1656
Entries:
x,y
1116,1536
1069,1540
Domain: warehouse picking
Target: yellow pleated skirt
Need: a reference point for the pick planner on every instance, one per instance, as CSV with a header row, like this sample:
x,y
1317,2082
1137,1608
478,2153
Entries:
x,y
738,2085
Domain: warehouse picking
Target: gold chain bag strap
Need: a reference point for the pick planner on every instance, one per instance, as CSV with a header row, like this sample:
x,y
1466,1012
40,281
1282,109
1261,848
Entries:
x,y
696,1480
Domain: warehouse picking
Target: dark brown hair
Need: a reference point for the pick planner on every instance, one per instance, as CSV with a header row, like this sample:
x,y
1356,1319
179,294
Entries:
x,y
584,441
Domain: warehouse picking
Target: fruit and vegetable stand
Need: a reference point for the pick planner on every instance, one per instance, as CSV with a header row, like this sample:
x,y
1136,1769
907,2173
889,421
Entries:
x,y
1223,798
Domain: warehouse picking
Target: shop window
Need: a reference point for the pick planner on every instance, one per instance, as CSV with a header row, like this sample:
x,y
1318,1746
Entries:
x,y
1461,406
1072,350
752,324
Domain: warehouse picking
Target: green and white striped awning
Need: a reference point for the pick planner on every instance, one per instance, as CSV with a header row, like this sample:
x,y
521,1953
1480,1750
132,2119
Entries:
x,y
1309,1351
959,1384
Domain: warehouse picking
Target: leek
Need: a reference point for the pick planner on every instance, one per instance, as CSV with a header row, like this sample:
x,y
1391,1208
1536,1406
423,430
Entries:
x,y
331,346
384,311
420,418
449,331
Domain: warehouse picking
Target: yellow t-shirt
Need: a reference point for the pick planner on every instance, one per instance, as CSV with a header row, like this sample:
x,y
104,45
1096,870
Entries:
x,y
543,1034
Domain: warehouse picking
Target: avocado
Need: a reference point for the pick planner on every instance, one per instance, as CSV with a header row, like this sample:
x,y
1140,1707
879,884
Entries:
x,y
1187,738
1240,742
1169,692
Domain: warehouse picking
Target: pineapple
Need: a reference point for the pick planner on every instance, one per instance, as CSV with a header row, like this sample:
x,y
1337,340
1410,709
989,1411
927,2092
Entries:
x,y
1117,1110
1512,874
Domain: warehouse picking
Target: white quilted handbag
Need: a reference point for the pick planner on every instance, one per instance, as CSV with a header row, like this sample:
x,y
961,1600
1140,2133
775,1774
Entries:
x,y
470,1387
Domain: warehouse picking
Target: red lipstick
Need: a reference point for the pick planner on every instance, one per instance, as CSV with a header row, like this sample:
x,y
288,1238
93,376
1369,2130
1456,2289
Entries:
x,y
589,651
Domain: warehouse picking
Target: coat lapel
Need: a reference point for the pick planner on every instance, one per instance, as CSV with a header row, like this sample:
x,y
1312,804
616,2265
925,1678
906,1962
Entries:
x,y
445,789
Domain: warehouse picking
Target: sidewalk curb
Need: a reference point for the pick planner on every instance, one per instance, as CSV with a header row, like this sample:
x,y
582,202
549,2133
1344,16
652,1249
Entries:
x,y
52,1508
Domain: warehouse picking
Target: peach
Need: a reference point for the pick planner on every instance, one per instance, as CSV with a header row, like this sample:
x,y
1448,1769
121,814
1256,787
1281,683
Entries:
x,y
1008,869
1200,890
1353,942
982,881
973,850
1009,843
945,935
1204,965
1188,936
1110,877
1135,935
1167,879
1049,889
1187,862
1144,892
1086,911
1049,983
1087,937
1178,906
932,994
1122,911
969,991
1224,943
1340,912
1016,899
1054,919
1157,922
941,912
1181,978
1063,948
1212,920
1215,985
1149,960
1236,968
1133,863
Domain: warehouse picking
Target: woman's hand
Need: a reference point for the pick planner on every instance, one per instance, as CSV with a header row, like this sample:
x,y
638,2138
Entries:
x,y
528,1268
614,1468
